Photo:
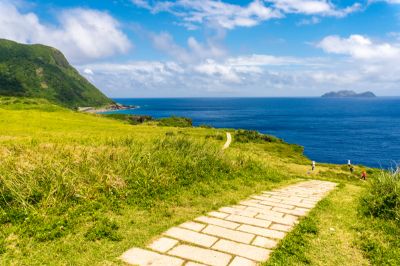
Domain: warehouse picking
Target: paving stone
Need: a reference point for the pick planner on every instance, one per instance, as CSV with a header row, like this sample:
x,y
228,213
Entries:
x,y
286,220
307,201
191,237
191,263
275,204
193,226
239,261
248,220
163,244
261,231
255,204
264,242
270,199
241,212
218,214
216,221
243,250
206,256
300,204
229,234
237,235
240,207
266,211
142,257
296,211
281,227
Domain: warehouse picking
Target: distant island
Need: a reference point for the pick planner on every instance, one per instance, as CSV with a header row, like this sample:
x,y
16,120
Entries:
x,y
348,94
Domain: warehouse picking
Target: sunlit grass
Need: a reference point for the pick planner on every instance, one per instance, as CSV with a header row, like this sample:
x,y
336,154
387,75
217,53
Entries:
x,y
74,183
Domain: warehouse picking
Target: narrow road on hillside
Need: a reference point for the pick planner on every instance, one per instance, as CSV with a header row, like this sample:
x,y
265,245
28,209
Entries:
x,y
228,141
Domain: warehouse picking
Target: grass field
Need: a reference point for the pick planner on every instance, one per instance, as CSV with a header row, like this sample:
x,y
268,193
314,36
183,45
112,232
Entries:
x,y
80,189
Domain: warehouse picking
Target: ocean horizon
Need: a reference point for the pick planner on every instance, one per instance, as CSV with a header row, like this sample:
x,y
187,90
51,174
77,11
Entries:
x,y
331,130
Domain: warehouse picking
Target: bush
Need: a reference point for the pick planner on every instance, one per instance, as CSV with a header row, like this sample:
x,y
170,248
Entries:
x,y
382,198
131,119
103,229
215,136
175,121
205,126
245,136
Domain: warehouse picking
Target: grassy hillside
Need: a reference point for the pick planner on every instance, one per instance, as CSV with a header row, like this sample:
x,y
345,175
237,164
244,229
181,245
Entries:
x,y
74,184
43,72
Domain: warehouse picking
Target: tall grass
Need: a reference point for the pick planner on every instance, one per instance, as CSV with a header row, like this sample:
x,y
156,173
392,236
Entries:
x,y
382,198
48,187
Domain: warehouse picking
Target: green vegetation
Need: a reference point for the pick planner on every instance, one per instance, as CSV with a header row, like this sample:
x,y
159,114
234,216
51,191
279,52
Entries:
x,y
43,72
74,183
245,136
175,122
341,231
382,199
131,119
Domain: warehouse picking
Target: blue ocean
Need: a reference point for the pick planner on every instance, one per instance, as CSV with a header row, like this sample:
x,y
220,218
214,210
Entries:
x,y
333,130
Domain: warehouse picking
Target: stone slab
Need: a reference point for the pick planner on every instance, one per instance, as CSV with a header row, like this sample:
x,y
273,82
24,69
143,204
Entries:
x,y
191,263
206,256
217,221
191,236
281,227
193,226
296,211
247,251
229,234
264,242
142,257
241,212
239,261
216,214
248,220
163,244
261,231
286,220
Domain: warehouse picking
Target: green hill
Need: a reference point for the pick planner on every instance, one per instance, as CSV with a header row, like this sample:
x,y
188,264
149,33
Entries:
x,y
75,183
43,72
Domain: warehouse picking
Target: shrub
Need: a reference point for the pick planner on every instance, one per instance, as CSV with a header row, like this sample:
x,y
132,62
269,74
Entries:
x,y
175,121
205,126
215,136
245,136
131,119
382,198
103,229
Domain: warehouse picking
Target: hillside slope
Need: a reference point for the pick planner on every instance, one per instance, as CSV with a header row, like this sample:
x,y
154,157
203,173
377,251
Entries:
x,y
75,183
43,72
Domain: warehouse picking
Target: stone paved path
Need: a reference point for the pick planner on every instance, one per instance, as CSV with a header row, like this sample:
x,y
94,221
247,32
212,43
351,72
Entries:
x,y
239,235
228,141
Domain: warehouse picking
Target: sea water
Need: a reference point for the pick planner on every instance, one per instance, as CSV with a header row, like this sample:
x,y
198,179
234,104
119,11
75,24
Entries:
x,y
333,130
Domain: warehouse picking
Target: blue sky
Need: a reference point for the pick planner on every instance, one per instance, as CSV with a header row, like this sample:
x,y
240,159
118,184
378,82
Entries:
x,y
192,48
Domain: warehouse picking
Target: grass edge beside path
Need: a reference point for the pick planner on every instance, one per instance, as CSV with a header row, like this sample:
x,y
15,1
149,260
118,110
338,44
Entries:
x,y
335,233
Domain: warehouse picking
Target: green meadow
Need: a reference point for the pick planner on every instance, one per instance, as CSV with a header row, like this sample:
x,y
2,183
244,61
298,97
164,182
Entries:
x,y
80,189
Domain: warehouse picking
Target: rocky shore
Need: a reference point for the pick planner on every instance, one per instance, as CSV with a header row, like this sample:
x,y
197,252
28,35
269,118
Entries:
x,y
111,107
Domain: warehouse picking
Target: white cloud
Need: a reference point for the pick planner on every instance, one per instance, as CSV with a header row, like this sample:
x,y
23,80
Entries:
x,y
227,15
247,75
311,21
213,12
82,34
195,50
313,7
88,71
387,1
360,47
